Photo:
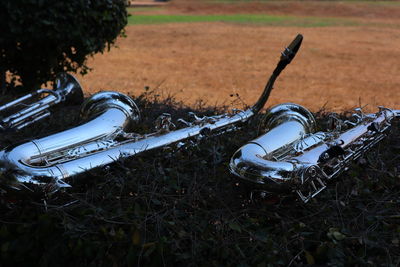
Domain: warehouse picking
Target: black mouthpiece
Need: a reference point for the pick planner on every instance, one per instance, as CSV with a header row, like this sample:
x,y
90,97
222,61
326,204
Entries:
x,y
289,53
287,56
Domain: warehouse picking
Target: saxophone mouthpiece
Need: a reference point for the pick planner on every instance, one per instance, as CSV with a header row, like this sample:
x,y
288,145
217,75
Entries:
x,y
290,52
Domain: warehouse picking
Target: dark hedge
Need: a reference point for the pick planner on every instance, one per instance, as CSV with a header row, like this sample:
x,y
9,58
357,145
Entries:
x,y
184,208
40,38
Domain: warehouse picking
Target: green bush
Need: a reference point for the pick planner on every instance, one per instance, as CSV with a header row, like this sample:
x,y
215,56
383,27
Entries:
x,y
42,37
181,207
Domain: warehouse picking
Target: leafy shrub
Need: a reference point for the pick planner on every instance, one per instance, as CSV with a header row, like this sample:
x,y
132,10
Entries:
x,y
182,208
42,37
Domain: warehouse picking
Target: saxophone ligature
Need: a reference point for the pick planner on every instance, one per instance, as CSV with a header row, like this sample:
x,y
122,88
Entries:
x,y
66,90
104,137
292,156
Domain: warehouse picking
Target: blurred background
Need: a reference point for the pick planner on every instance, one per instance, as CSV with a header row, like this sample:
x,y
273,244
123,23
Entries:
x,y
224,50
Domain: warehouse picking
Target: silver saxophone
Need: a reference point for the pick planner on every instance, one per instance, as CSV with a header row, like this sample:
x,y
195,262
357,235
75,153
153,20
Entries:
x,y
66,90
104,137
292,156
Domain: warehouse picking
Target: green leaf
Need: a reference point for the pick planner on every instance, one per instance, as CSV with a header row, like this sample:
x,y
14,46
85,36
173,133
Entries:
x,y
309,258
235,226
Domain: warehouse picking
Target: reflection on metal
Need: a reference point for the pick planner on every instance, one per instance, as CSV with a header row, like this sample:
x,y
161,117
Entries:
x,y
66,90
103,138
292,156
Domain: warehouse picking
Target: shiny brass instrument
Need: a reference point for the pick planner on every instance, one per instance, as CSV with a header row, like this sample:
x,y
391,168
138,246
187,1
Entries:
x,y
66,90
104,137
291,156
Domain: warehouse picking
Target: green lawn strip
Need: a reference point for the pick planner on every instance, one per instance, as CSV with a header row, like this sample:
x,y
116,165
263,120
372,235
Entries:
x,y
381,3
389,3
133,10
243,19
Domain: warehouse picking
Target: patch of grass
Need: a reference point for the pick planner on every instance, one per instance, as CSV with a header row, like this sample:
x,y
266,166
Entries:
x,y
234,1
327,2
242,19
133,10
382,3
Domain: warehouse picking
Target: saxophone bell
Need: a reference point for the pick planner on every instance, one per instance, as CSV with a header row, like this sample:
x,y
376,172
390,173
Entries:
x,y
66,89
49,160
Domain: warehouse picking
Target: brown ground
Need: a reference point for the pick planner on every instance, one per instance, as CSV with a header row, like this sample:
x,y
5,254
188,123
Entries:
x,y
337,66
367,9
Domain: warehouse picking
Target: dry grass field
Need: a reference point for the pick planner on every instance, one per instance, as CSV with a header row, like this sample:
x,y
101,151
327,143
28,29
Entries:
x,y
350,54
179,205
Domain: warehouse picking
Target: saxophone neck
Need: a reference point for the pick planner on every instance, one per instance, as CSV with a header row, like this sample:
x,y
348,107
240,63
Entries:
x,y
286,57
